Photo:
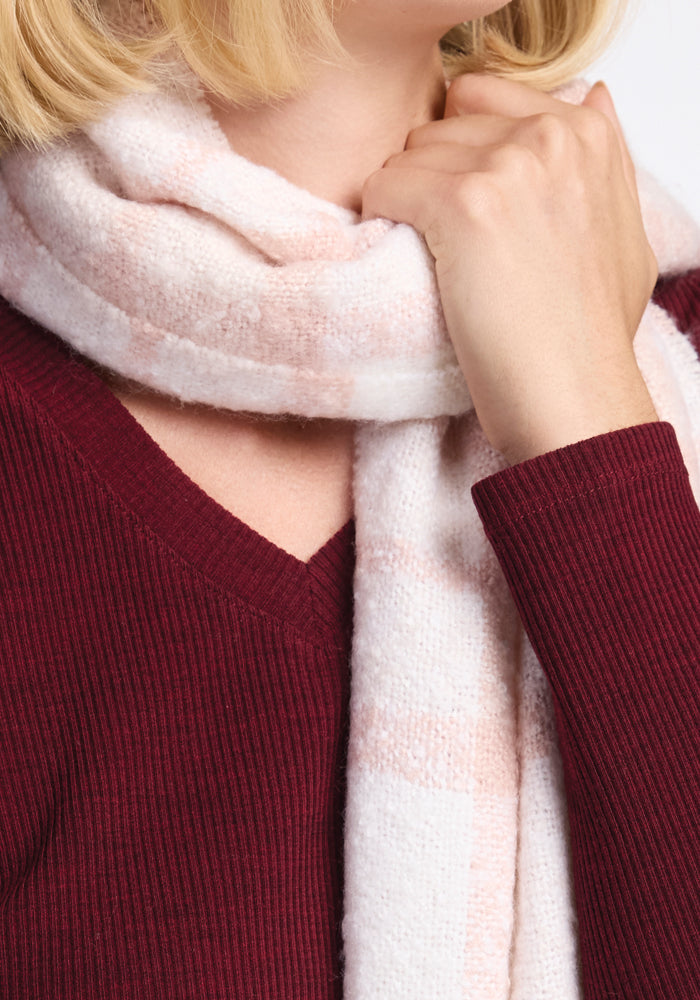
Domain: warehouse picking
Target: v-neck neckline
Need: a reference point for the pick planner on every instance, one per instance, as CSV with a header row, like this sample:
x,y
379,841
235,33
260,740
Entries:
x,y
314,597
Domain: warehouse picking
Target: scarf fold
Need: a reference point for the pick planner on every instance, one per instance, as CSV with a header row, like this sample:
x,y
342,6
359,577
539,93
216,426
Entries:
x,y
152,248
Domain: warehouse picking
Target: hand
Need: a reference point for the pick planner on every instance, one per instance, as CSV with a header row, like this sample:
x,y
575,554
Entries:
x,y
530,208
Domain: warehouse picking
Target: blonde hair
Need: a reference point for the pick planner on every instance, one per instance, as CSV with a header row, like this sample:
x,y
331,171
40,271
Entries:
x,y
62,62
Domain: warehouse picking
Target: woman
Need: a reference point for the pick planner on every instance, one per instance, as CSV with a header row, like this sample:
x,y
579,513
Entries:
x,y
175,655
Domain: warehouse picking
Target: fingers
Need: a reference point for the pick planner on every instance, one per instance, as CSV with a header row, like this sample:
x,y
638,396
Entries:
x,y
411,194
486,101
516,137
449,157
476,93
474,130
540,254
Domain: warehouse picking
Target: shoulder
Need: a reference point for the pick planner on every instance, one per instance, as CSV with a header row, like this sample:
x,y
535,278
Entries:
x,y
41,384
35,364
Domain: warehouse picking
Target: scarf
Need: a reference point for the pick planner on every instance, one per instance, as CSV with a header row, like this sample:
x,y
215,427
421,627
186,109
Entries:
x,y
152,248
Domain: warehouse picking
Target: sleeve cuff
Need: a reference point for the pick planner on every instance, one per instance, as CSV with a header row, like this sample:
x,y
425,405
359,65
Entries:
x,y
568,474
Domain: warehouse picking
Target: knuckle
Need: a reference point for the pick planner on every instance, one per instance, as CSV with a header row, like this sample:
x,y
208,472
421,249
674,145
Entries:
x,y
595,128
371,189
468,90
415,137
475,196
424,134
550,131
370,183
514,160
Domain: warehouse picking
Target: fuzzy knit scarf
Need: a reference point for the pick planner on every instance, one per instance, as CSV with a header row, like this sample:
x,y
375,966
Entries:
x,y
152,248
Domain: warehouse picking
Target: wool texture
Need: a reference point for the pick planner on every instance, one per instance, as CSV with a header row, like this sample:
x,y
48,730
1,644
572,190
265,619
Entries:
x,y
152,248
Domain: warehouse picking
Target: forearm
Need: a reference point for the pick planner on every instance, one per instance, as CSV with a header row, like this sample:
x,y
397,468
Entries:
x,y
600,543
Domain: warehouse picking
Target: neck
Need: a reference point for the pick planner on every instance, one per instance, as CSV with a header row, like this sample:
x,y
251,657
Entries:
x,y
346,123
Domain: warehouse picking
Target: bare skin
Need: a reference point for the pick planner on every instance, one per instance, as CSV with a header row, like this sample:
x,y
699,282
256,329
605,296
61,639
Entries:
x,y
530,209
291,481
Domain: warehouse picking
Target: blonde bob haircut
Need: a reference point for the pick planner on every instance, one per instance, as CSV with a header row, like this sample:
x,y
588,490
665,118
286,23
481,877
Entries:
x,y
62,62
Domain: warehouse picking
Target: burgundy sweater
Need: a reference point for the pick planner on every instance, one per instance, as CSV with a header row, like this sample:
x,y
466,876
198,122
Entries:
x,y
174,700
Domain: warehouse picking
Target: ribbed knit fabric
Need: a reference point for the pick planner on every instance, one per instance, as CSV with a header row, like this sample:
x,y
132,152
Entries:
x,y
147,244
680,296
173,710
568,528
579,534
173,697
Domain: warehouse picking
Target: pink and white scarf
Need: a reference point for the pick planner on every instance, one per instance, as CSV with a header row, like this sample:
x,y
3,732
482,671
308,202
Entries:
x,y
152,248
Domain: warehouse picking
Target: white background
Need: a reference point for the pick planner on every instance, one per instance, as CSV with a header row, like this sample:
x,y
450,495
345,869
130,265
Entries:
x,y
653,72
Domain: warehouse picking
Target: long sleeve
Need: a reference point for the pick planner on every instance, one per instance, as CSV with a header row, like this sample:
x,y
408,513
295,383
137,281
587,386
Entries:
x,y
600,544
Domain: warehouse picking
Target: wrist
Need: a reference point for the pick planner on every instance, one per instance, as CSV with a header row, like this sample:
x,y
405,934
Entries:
x,y
556,420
